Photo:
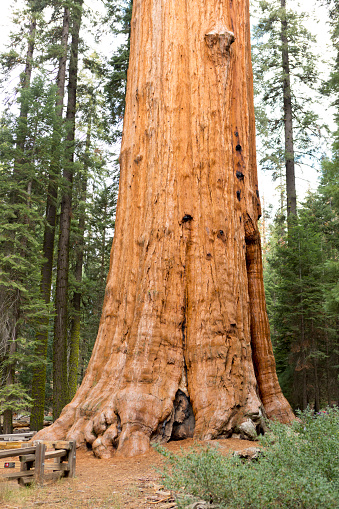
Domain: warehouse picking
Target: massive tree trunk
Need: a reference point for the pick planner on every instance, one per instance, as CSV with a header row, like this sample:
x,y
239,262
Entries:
x,y
183,344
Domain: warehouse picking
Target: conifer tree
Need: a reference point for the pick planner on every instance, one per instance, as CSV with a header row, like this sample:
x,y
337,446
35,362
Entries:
x,y
17,241
22,226
299,282
115,69
60,389
39,374
285,70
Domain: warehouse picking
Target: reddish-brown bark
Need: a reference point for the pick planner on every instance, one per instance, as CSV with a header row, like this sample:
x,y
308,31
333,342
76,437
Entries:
x,y
183,341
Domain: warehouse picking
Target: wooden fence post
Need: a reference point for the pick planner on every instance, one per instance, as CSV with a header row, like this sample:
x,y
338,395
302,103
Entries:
x,y
25,465
39,462
71,457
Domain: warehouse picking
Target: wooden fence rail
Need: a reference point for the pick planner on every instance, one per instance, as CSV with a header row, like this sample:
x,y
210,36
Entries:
x,y
20,437
33,466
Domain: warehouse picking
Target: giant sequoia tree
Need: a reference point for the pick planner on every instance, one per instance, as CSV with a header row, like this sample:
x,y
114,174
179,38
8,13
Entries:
x,y
183,344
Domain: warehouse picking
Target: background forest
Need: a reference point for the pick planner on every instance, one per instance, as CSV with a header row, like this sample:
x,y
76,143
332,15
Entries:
x,y
59,143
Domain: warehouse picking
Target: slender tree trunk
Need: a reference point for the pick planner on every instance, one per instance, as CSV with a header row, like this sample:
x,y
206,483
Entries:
x,y
76,320
316,374
304,384
39,373
288,121
328,390
184,317
60,390
316,387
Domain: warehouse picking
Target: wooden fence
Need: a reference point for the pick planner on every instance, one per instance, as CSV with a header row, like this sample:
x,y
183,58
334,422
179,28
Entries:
x,y
34,464
17,437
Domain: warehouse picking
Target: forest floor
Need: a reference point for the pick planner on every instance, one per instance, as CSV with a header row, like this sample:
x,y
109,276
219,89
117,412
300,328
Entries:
x,y
132,483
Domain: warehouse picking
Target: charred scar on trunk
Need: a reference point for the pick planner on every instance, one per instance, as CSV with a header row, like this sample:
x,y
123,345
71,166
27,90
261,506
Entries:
x,y
251,231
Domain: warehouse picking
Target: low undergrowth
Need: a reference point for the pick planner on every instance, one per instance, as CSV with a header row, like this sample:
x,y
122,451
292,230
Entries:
x,y
10,493
299,468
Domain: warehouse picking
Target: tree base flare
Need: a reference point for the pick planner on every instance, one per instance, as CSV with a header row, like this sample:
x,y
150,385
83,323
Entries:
x,y
103,433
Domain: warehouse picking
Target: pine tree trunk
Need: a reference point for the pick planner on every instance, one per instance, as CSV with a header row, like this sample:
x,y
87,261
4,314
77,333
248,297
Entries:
x,y
315,369
39,373
304,387
184,320
327,364
288,122
60,389
76,322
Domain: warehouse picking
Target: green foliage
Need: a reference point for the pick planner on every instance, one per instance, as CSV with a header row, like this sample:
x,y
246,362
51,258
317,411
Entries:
x,y
268,80
299,468
115,71
331,87
301,283
22,189
14,397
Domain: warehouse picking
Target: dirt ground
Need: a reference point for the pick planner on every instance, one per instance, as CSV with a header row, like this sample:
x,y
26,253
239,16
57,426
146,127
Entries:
x,y
114,483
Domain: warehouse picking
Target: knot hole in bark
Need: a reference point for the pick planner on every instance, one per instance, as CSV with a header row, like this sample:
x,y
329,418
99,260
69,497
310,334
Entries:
x,y
221,235
186,218
219,42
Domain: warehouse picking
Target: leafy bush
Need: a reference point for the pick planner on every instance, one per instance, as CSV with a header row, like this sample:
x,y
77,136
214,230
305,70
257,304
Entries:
x,y
299,468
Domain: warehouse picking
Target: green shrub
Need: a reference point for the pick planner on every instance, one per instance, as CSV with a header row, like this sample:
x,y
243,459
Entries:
x,y
299,468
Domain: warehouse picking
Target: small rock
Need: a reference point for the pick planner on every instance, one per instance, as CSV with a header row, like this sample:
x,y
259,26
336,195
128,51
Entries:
x,y
251,453
247,429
